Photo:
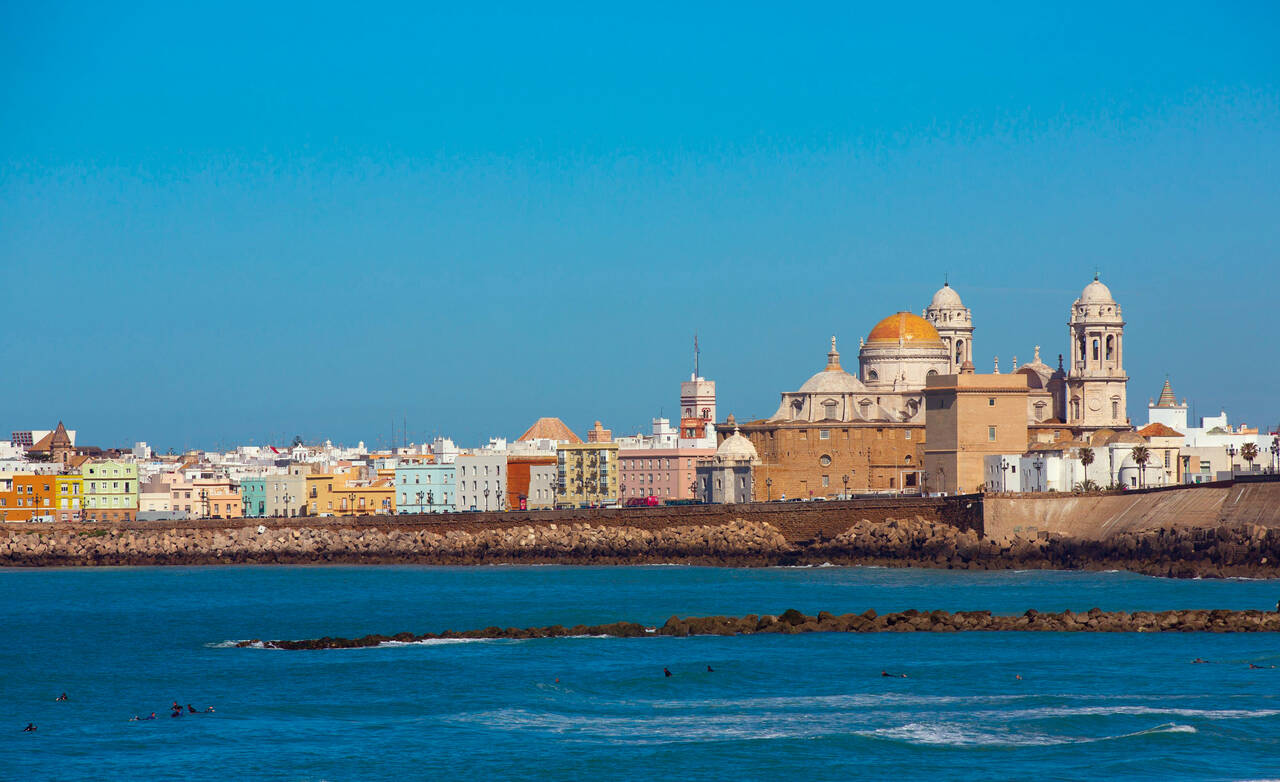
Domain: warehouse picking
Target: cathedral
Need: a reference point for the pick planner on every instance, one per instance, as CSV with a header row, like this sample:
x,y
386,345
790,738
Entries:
x,y
848,432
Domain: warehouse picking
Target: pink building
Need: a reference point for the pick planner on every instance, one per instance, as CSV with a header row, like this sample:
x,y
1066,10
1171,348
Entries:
x,y
665,473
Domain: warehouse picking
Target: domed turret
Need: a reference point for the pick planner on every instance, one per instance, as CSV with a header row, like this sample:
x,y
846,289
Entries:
x,y
1096,380
946,297
954,324
736,448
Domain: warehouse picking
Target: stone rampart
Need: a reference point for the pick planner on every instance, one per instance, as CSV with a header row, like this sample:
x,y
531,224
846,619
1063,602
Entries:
x,y
1097,516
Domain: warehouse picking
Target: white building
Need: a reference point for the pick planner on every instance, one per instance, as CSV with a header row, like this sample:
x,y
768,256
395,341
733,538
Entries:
x,y
482,481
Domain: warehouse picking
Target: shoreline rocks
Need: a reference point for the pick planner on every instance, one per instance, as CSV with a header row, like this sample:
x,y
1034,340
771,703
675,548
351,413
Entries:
x,y
1238,551
793,622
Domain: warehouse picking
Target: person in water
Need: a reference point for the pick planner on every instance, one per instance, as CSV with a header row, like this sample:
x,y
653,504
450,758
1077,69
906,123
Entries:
x,y
710,669
191,709
1199,660
61,697
893,675
209,709
666,671
31,728
153,716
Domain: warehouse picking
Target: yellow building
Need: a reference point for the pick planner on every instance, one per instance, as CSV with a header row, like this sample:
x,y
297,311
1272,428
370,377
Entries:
x,y
586,474
351,494
68,496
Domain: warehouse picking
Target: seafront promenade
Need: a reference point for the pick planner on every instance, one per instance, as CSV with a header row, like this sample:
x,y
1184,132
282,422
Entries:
x,y
1215,531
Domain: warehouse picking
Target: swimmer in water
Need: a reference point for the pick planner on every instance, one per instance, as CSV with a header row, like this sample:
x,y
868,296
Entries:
x,y
61,697
1018,676
893,675
191,709
710,669
666,672
31,728
1199,660
208,710
153,716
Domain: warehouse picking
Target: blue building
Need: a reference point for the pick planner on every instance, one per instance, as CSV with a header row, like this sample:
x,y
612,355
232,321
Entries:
x,y
426,487
253,495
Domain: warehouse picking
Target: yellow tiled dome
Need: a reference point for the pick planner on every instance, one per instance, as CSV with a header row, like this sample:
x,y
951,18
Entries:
x,y
904,327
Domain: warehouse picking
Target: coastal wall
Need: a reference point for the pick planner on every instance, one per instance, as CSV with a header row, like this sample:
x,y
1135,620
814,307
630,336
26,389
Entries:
x,y
1099,516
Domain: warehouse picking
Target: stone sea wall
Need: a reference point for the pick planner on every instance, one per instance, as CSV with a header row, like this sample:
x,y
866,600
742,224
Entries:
x,y
1228,550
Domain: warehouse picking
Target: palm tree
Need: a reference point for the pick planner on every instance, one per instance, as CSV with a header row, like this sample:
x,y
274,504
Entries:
x,y
1141,455
1249,452
1086,459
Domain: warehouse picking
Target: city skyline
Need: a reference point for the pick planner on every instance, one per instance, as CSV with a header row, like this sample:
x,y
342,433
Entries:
x,y
214,232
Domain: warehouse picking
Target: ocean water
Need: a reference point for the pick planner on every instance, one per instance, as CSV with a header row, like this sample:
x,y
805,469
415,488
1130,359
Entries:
x,y
127,641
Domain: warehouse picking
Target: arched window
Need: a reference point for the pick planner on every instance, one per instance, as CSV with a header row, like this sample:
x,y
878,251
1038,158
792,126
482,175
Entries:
x,y
959,351
1095,349
872,375
1111,346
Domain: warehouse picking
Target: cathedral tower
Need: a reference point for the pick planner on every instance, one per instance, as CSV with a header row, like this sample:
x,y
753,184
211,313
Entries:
x,y
954,323
1096,381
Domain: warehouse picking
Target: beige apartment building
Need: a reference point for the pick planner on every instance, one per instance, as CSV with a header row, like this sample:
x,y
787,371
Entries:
x,y
967,417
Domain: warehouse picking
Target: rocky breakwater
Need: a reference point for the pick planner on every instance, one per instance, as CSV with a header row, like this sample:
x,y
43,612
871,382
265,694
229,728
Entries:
x,y
738,543
793,621
1247,550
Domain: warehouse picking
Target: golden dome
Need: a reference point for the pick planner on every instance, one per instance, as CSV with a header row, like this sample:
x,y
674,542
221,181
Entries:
x,y
904,327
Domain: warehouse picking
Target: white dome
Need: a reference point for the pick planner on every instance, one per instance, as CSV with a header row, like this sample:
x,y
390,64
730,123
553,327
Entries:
x,y
946,297
832,381
736,448
1096,293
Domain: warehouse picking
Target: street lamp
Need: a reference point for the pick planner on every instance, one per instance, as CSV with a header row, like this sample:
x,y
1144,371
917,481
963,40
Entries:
x,y
1004,475
420,495
486,499
845,478
1275,453
286,504
430,498
1039,469
204,499
352,499
768,488
1231,460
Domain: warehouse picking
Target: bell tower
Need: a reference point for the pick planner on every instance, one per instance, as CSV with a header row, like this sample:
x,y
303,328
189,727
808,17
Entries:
x,y
954,323
1096,381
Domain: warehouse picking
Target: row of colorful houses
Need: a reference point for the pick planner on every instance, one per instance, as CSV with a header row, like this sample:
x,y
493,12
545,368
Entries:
x,y
104,490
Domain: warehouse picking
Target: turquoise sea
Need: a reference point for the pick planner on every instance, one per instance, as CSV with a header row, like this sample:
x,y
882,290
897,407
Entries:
x,y
126,641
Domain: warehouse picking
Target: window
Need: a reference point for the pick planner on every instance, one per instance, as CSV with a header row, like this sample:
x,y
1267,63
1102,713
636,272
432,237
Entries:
x,y
824,434
906,434
1095,349
826,480
1115,409
991,434
991,401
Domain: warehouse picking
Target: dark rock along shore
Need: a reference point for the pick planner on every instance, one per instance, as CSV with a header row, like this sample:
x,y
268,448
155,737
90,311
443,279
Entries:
x,y
1243,550
792,621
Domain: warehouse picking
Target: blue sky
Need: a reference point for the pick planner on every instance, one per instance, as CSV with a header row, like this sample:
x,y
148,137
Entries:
x,y
227,223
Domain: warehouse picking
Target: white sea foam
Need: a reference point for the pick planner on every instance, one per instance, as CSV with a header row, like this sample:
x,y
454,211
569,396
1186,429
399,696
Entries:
x,y
437,642
1050,712
234,644
959,735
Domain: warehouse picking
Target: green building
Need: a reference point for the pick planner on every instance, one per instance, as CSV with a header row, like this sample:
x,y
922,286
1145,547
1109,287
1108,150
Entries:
x,y
110,490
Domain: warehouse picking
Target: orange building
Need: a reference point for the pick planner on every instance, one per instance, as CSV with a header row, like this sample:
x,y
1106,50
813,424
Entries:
x,y
519,477
25,496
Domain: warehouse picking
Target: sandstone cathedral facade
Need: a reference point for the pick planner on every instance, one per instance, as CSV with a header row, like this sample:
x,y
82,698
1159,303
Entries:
x,y
852,432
